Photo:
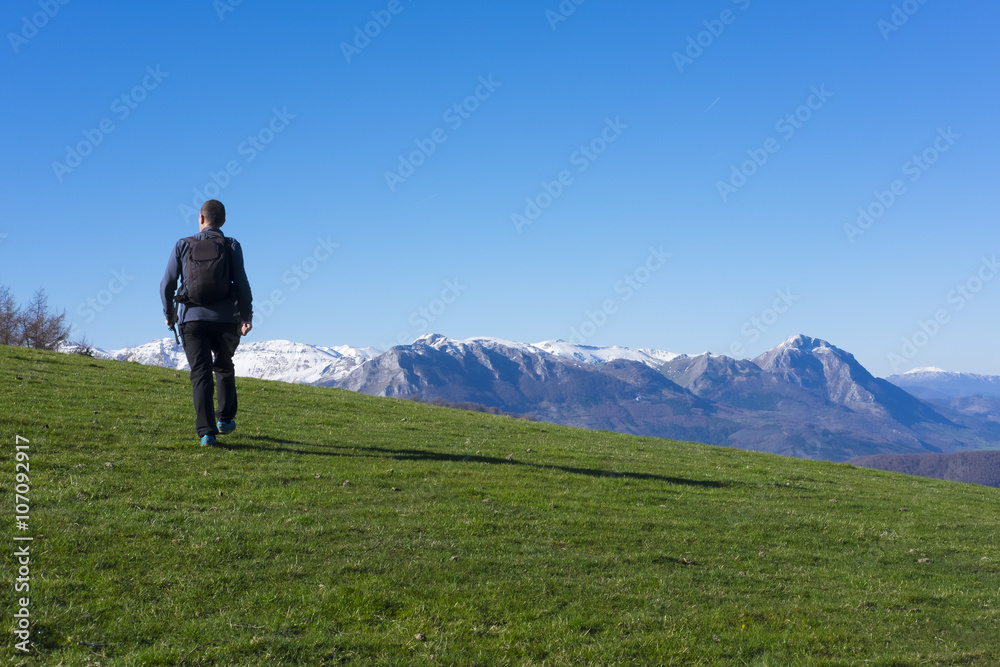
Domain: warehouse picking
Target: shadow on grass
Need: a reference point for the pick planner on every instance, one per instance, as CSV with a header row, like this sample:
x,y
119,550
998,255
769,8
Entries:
x,y
341,451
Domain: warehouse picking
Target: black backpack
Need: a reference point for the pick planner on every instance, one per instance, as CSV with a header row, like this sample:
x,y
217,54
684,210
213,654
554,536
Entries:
x,y
208,272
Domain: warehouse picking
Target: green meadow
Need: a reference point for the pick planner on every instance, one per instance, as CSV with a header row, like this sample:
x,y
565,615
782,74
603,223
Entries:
x,y
334,528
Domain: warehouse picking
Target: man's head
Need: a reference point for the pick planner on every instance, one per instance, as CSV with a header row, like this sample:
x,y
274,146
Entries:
x,y
213,214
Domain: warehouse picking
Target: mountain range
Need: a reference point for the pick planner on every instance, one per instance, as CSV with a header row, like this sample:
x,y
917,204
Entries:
x,y
804,398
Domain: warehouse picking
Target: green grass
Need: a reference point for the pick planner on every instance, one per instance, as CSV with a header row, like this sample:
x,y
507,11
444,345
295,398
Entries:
x,y
498,541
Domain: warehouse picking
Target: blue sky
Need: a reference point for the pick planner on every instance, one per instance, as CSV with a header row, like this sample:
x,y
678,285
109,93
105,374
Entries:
x,y
681,176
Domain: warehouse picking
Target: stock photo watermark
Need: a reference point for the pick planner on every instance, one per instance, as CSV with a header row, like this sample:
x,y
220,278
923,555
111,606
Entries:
x,y
455,116
759,324
363,35
581,159
89,308
22,543
223,7
899,17
914,168
626,289
423,317
697,44
562,13
786,126
248,149
122,107
296,276
31,25
956,299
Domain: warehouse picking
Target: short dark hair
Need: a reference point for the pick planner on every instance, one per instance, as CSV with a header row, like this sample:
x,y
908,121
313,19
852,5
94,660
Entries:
x,y
214,212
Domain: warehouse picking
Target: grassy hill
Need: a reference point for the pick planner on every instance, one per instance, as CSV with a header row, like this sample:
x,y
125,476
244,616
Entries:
x,y
335,528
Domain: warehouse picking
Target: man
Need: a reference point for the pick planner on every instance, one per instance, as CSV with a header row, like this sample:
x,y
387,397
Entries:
x,y
212,317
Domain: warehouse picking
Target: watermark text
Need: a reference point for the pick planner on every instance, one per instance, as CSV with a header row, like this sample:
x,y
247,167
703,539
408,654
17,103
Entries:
x,y
121,107
956,299
582,158
22,546
31,25
914,169
626,288
787,126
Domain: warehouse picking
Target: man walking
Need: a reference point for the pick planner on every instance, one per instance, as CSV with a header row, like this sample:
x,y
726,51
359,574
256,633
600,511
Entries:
x,y
214,307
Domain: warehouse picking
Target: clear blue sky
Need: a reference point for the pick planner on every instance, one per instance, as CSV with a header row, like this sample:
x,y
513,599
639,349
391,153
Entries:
x,y
619,122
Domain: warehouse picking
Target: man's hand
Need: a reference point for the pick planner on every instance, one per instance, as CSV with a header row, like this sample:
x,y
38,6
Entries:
x,y
245,328
169,324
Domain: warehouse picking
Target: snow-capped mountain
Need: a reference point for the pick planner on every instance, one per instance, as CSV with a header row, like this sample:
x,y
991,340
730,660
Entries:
x,y
805,397
589,354
301,363
966,393
519,378
585,354
296,362
837,377
936,383
268,360
164,352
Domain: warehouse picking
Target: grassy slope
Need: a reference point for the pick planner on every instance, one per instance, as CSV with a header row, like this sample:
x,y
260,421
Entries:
x,y
591,548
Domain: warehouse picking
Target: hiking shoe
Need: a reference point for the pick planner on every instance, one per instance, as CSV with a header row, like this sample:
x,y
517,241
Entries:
x,y
208,441
226,427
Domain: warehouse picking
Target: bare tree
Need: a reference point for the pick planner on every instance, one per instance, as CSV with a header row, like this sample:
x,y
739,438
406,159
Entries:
x,y
43,330
11,326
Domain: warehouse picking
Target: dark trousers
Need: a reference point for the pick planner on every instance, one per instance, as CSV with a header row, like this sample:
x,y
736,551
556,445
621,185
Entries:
x,y
202,341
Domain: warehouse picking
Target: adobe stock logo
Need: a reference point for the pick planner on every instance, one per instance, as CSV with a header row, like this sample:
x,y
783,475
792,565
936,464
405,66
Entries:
x,y
714,28
296,275
455,116
562,13
423,317
93,305
629,285
582,158
900,16
767,318
250,148
787,126
122,107
958,298
31,25
914,168
363,36
223,7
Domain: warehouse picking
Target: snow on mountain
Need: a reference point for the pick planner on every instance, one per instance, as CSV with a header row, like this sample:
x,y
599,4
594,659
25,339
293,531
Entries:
x,y
934,383
589,354
925,369
837,377
301,363
805,397
585,354
297,362
269,360
164,352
